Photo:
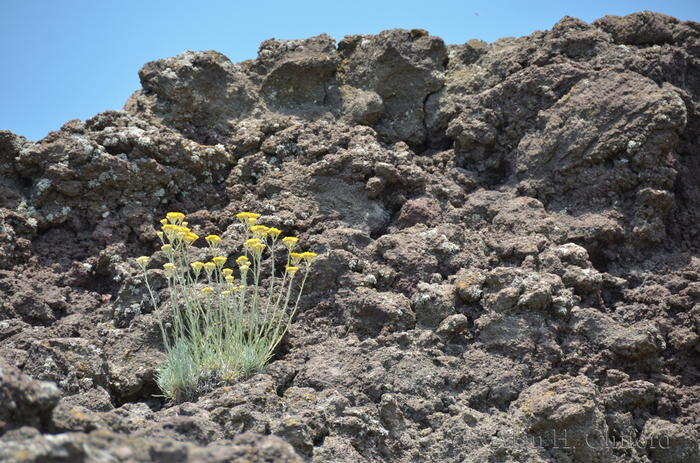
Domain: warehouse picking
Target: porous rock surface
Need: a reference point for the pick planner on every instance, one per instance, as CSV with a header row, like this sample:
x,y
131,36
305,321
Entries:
x,y
507,238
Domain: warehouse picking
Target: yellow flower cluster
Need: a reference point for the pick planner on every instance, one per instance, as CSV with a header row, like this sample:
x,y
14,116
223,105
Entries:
x,y
296,257
174,217
197,267
256,246
174,235
175,230
291,270
247,218
290,242
213,241
170,269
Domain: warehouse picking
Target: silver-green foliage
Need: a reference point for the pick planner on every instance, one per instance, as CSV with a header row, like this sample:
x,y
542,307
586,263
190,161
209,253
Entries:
x,y
221,328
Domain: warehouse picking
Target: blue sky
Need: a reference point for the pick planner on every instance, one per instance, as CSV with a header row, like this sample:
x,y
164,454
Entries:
x,y
63,60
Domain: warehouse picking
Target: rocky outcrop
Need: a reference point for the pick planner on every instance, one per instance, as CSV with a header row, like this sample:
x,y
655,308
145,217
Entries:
x,y
25,402
506,238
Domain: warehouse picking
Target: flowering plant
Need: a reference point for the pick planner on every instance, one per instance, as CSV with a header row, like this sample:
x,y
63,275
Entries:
x,y
222,327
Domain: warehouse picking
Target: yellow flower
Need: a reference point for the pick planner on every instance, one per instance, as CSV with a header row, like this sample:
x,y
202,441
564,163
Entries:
x,y
167,249
229,278
225,293
259,230
274,232
290,242
213,241
160,235
247,218
257,248
197,267
209,267
191,238
170,229
246,215
251,242
243,260
175,217
207,290
163,221
219,261
169,269
226,272
296,257
308,256
244,268
143,260
292,270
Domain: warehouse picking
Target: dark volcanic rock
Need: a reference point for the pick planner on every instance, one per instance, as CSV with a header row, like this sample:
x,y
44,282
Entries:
x,y
403,68
108,446
24,401
506,237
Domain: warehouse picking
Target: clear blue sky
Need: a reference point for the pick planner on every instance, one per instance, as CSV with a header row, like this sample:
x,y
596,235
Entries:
x,y
67,59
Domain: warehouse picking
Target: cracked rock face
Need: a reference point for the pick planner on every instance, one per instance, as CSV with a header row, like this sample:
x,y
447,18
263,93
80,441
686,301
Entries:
x,y
380,80
507,251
